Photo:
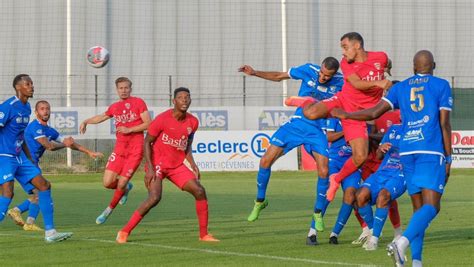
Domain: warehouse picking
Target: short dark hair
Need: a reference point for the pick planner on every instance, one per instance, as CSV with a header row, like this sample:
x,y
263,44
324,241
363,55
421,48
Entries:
x,y
19,78
180,89
331,63
354,36
41,102
395,82
123,79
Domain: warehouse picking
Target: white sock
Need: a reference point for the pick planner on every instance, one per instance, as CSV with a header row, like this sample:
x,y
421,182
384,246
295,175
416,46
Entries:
x,y
397,232
50,232
402,243
332,234
108,210
416,263
374,239
17,209
365,229
30,220
311,232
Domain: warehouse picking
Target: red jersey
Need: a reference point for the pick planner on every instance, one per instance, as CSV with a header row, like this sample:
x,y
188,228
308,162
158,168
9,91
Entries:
x,y
386,120
169,148
127,113
370,70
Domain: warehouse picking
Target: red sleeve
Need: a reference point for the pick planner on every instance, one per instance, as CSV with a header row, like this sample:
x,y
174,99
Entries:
x,y
155,127
346,68
196,125
142,105
109,112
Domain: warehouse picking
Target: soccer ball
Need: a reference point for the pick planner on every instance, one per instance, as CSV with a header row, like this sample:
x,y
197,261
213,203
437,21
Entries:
x,y
98,56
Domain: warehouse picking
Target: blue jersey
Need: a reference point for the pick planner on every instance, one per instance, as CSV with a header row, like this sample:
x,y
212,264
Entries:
x,y
339,149
14,117
420,99
391,160
310,86
36,130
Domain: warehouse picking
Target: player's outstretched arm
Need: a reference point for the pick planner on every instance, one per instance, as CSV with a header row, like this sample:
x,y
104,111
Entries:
x,y
363,85
446,131
71,143
50,145
138,128
150,174
275,76
363,115
92,120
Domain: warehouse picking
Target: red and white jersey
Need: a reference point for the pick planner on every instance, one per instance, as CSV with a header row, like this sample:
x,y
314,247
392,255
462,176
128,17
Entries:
x,y
169,148
127,113
372,69
386,120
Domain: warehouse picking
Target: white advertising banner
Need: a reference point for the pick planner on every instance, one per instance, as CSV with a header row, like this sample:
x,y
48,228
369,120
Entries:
x,y
463,149
236,151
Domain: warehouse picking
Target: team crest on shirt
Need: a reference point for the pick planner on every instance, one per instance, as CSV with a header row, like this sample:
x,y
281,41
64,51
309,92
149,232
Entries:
x,y
39,131
190,130
127,105
377,65
311,84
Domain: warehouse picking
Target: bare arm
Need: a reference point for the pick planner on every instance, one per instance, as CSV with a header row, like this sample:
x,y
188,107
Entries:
x,y
137,128
363,115
90,153
334,136
382,150
363,85
446,131
150,174
48,145
275,76
27,152
92,120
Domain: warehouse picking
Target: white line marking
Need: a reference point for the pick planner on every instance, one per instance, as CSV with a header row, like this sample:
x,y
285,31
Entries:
x,y
211,251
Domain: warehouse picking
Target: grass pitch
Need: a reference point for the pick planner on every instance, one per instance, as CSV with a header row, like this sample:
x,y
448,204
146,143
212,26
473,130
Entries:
x,y
168,235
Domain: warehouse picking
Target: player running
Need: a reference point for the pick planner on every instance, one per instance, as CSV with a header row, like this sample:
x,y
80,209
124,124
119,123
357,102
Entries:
x,y
131,119
40,137
318,83
383,187
425,148
364,83
15,157
168,144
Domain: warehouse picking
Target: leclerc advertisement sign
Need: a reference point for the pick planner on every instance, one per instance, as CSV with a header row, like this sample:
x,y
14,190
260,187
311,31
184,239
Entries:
x,y
236,151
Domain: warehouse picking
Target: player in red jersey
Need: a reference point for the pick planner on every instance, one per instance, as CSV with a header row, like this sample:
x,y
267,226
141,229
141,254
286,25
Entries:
x,y
167,146
131,119
364,83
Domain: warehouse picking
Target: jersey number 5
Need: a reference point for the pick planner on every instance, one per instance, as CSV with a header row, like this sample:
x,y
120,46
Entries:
x,y
415,93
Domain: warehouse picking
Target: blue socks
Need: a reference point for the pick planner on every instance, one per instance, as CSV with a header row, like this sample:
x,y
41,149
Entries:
x,y
24,206
420,221
46,206
34,210
262,181
321,201
366,214
342,218
4,203
379,220
417,247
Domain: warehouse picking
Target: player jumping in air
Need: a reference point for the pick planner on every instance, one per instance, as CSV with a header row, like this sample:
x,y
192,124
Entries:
x,y
168,144
425,102
131,119
40,137
317,83
364,82
16,158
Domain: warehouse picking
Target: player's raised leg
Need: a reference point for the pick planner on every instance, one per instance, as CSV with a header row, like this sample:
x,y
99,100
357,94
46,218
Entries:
x,y
263,177
112,181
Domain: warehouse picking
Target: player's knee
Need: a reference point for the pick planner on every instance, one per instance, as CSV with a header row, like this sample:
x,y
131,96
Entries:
x,y
8,194
200,193
265,162
349,195
154,199
323,171
362,197
383,199
359,158
44,185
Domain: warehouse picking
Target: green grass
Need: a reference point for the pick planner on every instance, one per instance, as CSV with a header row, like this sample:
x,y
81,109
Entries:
x,y
168,235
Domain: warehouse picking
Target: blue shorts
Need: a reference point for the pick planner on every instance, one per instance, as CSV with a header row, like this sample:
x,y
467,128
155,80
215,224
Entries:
x,y
296,133
20,168
424,171
352,180
393,182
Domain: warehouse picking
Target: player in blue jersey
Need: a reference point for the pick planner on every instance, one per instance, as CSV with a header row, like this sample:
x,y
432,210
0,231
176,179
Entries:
x,y
425,102
15,157
382,187
318,82
339,152
40,137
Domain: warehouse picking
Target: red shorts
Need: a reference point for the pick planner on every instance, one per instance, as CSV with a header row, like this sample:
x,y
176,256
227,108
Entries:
x,y
352,129
370,166
125,163
179,175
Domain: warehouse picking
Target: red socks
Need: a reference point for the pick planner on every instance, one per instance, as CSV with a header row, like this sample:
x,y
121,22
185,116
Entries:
x,y
133,222
394,215
346,170
118,194
202,211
